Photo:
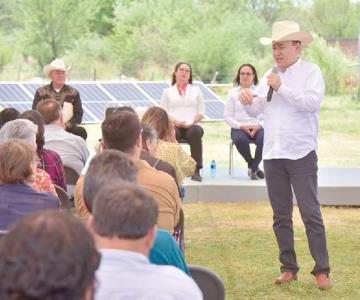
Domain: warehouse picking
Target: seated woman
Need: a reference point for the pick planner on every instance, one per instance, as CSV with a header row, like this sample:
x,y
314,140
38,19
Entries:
x,y
167,148
26,130
244,128
17,197
49,160
185,103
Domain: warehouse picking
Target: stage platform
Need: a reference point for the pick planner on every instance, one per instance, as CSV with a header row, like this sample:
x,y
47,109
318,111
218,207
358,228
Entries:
x,y
337,186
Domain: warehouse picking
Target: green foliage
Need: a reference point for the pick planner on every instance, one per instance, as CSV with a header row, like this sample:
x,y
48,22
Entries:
x,y
49,28
332,62
336,18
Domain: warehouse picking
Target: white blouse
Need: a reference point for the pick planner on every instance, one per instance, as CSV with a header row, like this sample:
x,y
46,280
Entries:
x,y
184,107
235,113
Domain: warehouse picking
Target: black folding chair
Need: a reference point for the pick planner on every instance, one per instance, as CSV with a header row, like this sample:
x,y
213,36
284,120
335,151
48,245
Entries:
x,y
209,283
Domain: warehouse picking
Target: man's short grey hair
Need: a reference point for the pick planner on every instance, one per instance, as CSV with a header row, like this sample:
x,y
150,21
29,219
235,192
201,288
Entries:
x,y
19,129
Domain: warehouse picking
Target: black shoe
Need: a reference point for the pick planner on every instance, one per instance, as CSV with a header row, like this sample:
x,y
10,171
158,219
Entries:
x,y
253,175
260,174
196,176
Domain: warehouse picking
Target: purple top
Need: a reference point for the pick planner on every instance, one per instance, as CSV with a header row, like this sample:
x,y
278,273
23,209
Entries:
x,y
18,200
51,162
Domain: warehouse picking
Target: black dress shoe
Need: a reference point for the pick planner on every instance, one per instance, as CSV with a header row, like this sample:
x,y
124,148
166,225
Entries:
x,y
196,176
260,174
253,175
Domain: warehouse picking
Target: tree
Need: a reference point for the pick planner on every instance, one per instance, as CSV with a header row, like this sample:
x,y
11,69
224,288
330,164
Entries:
x,y
49,28
336,18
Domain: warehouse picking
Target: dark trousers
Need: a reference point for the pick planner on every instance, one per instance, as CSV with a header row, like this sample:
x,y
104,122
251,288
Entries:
x,y
242,142
301,175
192,136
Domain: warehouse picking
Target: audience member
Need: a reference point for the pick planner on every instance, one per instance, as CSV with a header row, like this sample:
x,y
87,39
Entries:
x,y
17,197
122,131
245,128
27,131
49,160
67,96
71,148
8,114
48,255
149,151
124,224
113,164
185,103
167,148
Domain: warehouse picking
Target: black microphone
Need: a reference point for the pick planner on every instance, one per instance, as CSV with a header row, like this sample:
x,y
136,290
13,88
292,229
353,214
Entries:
x,y
271,90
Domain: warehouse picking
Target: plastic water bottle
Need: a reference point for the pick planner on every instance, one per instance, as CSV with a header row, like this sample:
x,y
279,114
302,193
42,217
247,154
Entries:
x,y
213,169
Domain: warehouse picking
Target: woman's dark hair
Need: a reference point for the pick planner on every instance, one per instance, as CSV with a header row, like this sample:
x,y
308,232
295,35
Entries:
x,y
237,78
177,66
35,117
49,255
8,114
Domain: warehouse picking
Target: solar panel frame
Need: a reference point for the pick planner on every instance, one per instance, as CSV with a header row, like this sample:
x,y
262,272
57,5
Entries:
x,y
97,96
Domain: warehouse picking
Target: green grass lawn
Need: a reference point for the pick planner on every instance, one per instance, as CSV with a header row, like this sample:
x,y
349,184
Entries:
x,y
236,240
339,140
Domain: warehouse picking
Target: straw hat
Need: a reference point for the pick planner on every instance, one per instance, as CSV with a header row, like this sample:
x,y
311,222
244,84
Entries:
x,y
287,31
56,64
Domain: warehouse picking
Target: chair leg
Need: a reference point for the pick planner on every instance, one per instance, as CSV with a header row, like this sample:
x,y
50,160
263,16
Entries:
x,y
231,159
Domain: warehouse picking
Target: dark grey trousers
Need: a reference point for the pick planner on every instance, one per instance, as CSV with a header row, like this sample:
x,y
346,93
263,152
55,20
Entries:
x,y
301,175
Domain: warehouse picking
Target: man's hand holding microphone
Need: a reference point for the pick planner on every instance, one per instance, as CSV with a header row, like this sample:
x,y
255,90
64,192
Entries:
x,y
246,96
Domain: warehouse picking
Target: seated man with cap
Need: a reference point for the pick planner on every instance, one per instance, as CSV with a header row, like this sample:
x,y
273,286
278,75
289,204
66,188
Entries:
x,y
67,96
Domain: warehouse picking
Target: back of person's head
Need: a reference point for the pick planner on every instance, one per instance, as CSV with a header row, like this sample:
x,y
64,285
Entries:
x,y
35,117
8,114
16,162
48,255
112,110
121,131
124,210
149,136
19,129
158,118
50,110
105,167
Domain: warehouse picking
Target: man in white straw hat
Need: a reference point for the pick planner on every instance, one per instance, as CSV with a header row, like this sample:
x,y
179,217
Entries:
x,y
67,96
289,96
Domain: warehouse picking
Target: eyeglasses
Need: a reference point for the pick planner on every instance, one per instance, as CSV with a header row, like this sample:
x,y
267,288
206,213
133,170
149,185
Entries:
x,y
184,70
248,74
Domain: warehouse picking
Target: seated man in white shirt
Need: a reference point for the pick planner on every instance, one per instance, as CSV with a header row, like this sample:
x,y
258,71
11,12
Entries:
x,y
71,148
124,225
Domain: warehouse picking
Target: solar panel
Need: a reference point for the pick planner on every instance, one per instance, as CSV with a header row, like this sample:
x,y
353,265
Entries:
x,y
32,87
97,96
20,106
90,92
207,93
94,111
124,91
12,92
153,89
214,110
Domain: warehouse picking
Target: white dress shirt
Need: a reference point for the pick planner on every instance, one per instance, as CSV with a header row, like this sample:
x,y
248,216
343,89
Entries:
x,y
71,148
129,275
184,107
291,118
235,113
